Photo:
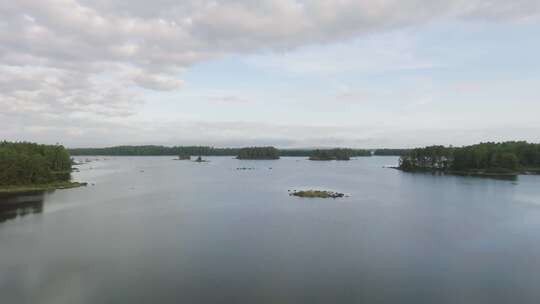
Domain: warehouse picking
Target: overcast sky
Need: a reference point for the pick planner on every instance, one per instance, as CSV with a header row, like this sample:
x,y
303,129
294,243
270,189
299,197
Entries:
x,y
364,73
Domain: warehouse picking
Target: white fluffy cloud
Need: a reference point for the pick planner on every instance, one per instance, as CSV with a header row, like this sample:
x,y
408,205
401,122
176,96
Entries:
x,y
165,36
53,91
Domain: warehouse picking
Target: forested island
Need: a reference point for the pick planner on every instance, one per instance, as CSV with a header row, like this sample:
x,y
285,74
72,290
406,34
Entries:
x,y
337,154
258,153
506,158
28,167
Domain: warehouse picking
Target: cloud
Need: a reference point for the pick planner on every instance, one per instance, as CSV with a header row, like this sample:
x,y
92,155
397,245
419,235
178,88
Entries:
x,y
392,51
169,35
157,82
89,57
51,91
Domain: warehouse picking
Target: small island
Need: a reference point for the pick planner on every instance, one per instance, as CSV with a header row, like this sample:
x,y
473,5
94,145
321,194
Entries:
x,y
317,194
484,159
334,154
31,167
258,153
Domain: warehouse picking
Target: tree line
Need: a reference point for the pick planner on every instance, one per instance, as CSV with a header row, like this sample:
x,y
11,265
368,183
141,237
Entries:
x,y
152,150
391,152
490,157
258,153
24,163
337,154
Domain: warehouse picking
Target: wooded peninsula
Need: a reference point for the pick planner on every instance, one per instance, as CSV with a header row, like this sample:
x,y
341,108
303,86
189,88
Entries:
x,y
506,158
28,167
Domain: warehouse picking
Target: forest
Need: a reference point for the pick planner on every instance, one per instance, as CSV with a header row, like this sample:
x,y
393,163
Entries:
x,y
391,152
26,163
337,154
490,157
258,153
312,152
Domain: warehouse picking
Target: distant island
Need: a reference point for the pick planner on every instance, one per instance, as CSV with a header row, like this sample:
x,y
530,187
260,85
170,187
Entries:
x,y
151,150
258,153
31,167
337,154
484,159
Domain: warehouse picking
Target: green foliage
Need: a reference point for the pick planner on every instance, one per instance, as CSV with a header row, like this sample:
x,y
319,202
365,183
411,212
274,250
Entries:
x,y
359,152
28,163
342,154
337,154
406,164
322,155
507,160
258,153
488,157
295,152
392,152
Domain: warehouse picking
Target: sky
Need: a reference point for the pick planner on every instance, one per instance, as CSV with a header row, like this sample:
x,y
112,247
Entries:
x,y
319,73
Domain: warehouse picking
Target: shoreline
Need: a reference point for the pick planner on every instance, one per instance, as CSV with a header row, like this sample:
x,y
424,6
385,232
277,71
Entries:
x,y
39,188
474,173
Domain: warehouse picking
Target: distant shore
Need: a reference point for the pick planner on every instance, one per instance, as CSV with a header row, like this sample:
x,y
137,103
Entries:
x,y
246,152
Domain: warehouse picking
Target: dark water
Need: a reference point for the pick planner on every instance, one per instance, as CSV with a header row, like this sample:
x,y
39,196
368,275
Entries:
x,y
153,230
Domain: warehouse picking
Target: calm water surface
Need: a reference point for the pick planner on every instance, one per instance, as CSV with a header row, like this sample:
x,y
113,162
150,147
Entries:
x,y
154,230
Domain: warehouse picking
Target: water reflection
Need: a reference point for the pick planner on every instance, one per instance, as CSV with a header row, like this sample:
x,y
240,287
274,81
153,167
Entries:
x,y
183,233
13,206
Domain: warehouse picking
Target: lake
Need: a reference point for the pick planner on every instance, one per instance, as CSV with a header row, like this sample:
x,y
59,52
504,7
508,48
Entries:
x,y
155,230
